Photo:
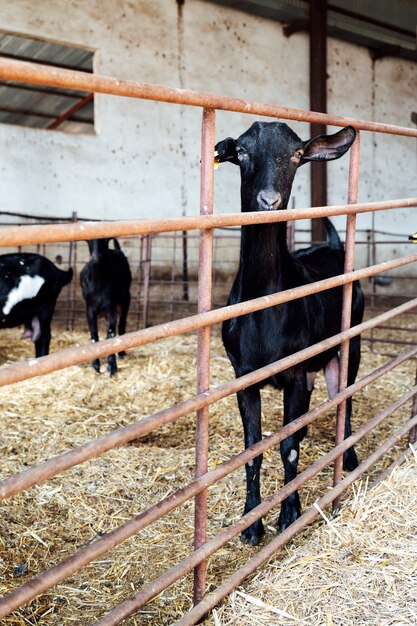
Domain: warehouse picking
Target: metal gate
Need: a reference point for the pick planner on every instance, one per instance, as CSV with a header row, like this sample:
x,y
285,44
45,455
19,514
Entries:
x,y
205,222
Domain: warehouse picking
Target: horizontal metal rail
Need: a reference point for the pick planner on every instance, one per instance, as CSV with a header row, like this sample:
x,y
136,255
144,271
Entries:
x,y
155,587
75,356
82,557
120,436
34,73
74,231
211,599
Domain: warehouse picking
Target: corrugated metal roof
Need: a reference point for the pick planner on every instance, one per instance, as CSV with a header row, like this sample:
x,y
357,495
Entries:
x,y
48,52
37,106
399,13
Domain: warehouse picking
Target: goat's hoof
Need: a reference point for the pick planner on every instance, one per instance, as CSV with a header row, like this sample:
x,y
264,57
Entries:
x,y
286,518
96,365
253,534
122,355
350,460
112,365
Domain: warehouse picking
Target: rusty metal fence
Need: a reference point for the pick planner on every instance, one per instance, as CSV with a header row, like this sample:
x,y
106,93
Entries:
x,y
165,274
202,321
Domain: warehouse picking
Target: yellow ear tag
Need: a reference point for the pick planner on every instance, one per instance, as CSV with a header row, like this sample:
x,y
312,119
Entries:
x,y
216,161
413,238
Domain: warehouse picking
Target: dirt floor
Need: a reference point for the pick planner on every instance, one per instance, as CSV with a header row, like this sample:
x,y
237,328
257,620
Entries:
x,y
46,416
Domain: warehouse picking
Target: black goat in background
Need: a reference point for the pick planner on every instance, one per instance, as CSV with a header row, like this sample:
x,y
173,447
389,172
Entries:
x,y
268,155
105,283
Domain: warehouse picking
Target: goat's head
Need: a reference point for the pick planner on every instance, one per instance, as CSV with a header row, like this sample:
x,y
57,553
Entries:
x,y
98,247
269,154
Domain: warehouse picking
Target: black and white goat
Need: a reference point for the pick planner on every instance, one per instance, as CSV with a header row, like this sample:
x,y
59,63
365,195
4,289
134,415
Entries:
x,y
268,155
105,283
29,287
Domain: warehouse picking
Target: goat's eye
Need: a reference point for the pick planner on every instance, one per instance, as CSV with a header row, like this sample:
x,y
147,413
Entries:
x,y
296,158
241,153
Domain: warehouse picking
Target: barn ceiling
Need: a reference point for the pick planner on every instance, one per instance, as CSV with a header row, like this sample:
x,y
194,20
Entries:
x,y
386,27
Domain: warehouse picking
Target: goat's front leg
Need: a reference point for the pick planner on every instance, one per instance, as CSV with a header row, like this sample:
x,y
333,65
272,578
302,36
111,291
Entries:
x,y
249,401
111,332
296,403
124,309
92,325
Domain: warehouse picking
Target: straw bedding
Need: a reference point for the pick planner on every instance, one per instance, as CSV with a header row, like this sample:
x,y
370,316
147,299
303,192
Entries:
x,y
46,416
359,569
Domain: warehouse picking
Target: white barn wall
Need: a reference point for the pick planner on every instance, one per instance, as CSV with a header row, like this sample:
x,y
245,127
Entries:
x,y
382,90
102,175
143,160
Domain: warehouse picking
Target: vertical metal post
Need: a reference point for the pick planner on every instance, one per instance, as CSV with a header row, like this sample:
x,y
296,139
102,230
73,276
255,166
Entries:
x,y
139,280
146,280
347,305
368,263
214,273
173,274
318,102
185,285
373,292
76,286
203,345
72,289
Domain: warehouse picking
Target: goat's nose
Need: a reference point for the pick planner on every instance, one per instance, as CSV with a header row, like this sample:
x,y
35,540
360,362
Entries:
x,y
269,199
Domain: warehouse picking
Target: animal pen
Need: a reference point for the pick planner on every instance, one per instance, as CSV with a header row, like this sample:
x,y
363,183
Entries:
x,y
207,396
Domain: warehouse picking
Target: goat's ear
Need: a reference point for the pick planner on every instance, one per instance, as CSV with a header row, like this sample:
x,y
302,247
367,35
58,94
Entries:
x,y
225,151
329,147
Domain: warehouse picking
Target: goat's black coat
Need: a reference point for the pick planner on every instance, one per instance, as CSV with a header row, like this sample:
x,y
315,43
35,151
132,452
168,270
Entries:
x,y
105,283
34,312
268,155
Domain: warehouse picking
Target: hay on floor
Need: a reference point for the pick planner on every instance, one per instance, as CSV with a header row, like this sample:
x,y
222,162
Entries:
x,y
46,416
359,570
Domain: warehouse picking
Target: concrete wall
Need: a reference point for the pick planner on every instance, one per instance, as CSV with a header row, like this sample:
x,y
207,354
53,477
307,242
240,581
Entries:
x,y
143,160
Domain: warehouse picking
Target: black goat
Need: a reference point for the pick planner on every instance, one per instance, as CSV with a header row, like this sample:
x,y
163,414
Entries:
x,y
268,155
105,283
29,287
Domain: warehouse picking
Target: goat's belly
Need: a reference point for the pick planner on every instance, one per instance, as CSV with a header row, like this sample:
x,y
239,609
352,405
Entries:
x,y
250,350
319,362
251,358
19,315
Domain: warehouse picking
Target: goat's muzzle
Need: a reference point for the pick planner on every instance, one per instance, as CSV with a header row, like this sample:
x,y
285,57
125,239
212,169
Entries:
x,y
269,200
